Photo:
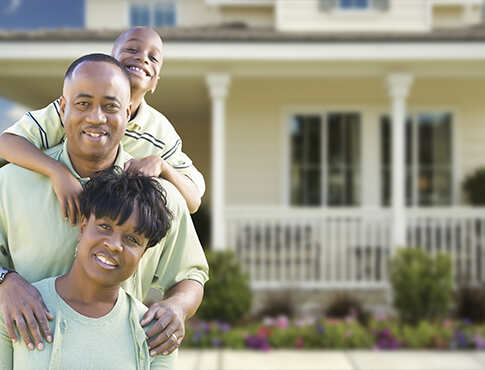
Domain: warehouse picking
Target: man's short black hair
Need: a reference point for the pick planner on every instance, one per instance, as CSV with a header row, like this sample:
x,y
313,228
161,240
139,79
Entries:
x,y
95,57
115,194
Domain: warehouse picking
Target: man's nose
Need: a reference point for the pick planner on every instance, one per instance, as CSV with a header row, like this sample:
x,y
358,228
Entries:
x,y
97,115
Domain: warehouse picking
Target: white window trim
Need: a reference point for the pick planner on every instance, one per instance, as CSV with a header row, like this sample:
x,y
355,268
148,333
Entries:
x,y
151,4
414,111
378,111
287,114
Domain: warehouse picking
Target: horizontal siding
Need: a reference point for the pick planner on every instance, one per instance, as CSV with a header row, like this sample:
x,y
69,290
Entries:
x,y
304,15
96,14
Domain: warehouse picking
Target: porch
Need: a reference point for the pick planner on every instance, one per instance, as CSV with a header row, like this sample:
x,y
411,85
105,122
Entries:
x,y
348,247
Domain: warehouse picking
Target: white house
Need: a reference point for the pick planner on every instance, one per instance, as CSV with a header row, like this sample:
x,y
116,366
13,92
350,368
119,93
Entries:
x,y
330,132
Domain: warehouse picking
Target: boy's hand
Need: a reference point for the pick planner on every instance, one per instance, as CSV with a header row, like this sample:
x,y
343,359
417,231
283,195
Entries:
x,y
152,165
67,189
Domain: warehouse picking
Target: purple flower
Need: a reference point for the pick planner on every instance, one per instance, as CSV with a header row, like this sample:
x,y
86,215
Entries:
x,y
216,342
197,336
461,339
320,329
257,342
386,340
479,342
223,326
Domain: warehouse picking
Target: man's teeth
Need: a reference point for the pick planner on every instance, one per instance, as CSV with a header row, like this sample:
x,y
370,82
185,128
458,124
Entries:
x,y
94,134
105,260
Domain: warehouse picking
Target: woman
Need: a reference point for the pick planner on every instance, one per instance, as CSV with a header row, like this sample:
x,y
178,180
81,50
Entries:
x,y
96,322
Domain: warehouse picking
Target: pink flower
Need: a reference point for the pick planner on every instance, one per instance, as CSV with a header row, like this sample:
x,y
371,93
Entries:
x,y
299,342
282,322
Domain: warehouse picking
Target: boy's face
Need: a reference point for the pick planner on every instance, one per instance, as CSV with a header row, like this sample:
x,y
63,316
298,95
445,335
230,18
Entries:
x,y
139,50
95,110
109,253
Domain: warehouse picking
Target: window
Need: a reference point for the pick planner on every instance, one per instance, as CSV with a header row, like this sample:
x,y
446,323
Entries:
x,y
325,159
429,164
161,13
354,4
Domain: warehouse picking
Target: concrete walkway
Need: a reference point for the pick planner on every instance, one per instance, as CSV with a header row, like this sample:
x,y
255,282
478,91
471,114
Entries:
x,y
330,360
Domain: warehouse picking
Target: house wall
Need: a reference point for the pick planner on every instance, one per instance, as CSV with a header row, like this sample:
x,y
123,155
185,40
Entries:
x,y
251,16
106,14
257,123
456,16
403,15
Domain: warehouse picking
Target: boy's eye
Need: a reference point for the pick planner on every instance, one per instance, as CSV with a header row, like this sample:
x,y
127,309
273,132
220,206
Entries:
x,y
131,50
153,58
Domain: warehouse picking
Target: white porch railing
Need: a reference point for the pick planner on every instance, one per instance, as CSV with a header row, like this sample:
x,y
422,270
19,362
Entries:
x,y
347,248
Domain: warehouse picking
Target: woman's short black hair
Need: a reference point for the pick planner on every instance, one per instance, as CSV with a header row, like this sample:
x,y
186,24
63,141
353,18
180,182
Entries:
x,y
115,194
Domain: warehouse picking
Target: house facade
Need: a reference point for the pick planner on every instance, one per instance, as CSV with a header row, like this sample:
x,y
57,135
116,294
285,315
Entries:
x,y
330,132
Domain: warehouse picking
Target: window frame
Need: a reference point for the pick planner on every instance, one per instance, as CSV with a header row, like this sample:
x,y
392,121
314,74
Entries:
x,y
287,116
151,6
414,112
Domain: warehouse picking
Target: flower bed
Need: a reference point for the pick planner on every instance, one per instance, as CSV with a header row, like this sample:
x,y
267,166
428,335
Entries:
x,y
380,333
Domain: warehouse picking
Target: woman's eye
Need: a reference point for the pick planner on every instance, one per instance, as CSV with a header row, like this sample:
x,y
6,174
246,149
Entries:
x,y
105,227
133,240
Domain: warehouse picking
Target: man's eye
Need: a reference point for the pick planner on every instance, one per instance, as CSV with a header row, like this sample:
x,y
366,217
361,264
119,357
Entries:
x,y
82,104
111,107
131,50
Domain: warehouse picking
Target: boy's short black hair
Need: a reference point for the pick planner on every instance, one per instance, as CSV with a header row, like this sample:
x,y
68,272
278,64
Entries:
x,y
95,57
115,194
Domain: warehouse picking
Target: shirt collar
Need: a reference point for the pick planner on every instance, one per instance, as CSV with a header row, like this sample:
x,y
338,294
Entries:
x,y
141,116
64,158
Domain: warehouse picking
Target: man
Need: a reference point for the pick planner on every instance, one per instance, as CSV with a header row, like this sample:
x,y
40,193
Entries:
x,y
149,136
37,242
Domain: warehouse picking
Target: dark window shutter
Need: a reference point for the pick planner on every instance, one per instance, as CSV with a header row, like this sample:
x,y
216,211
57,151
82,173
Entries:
x,y
327,5
382,5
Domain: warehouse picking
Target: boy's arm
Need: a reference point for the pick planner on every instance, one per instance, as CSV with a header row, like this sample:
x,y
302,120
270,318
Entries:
x,y
20,151
156,166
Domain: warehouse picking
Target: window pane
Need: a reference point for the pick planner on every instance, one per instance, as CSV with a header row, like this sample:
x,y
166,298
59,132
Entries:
x,y
306,163
434,184
139,15
354,4
343,180
164,14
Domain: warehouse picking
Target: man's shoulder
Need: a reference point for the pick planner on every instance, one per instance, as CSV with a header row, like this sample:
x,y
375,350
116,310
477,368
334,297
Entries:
x,y
175,201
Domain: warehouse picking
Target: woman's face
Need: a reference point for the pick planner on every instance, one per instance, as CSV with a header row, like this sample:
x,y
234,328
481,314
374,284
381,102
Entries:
x,y
109,253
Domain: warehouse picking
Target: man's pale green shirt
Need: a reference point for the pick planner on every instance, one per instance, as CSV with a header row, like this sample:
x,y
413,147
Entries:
x,y
38,242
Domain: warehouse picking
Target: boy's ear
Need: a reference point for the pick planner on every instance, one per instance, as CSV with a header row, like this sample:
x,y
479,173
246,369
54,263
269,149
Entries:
x,y
62,106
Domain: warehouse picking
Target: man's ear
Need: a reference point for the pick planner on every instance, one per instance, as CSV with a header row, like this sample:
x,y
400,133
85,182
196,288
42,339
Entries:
x,y
62,106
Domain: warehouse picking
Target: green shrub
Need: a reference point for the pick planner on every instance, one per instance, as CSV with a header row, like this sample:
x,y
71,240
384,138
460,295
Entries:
x,y
421,285
344,306
474,185
227,296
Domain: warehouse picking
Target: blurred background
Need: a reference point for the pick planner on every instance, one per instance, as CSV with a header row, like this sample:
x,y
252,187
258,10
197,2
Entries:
x,y
333,135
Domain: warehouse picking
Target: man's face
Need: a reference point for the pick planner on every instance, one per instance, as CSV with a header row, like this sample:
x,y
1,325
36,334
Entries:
x,y
95,110
139,50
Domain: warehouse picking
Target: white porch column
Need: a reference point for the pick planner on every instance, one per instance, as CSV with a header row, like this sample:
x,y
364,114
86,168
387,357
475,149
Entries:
x,y
218,85
399,85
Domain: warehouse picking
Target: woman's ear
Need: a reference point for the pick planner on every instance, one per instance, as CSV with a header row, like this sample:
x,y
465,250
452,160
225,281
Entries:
x,y
82,226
